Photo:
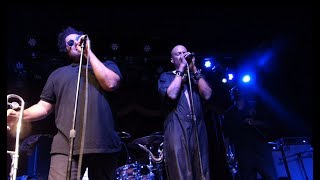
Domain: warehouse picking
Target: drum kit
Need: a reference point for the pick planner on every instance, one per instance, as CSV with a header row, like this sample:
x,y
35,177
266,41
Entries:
x,y
148,161
150,168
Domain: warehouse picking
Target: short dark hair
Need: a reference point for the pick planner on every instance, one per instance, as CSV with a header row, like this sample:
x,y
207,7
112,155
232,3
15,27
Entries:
x,y
62,36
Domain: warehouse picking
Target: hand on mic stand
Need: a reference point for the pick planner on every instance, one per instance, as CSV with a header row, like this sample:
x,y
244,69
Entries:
x,y
186,59
83,42
190,58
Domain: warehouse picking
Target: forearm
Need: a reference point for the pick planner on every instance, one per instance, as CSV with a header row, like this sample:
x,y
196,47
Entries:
x,y
174,89
204,89
38,111
108,79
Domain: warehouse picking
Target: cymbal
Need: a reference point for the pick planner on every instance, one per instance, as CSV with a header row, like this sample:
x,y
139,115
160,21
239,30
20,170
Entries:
x,y
151,140
124,135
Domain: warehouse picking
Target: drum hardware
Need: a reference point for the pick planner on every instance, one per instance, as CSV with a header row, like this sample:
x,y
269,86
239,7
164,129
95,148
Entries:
x,y
135,171
128,171
124,135
15,154
144,171
156,160
151,156
152,140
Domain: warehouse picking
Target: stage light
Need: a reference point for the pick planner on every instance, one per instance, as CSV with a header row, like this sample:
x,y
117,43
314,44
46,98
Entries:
x,y
224,80
19,66
115,47
207,64
230,76
20,72
230,73
147,48
246,78
32,42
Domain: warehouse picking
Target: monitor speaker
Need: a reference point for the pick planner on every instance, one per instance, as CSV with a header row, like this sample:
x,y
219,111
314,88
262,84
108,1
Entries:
x,y
294,162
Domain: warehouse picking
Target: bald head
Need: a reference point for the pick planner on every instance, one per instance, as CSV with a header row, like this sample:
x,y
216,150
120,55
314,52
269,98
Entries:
x,y
177,49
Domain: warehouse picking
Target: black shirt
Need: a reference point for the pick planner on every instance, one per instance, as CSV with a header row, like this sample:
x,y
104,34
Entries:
x,y
60,90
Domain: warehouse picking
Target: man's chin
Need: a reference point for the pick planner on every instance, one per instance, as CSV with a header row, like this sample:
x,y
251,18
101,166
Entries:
x,y
75,58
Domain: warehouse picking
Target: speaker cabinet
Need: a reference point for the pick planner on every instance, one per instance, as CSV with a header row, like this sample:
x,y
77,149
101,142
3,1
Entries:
x,y
294,160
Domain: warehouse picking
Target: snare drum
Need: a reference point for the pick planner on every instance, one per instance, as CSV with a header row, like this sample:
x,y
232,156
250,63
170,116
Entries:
x,y
128,172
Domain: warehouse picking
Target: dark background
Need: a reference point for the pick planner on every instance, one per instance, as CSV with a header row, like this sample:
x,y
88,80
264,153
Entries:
x,y
233,34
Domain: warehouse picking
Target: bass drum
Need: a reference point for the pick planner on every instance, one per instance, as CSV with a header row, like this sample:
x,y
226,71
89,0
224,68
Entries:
x,y
128,172
145,173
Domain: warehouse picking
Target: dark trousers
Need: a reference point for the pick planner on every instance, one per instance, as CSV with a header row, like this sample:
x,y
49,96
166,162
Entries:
x,y
100,166
181,151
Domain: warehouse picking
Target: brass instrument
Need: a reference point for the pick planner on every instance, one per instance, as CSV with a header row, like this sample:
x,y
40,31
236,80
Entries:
x,y
232,160
15,154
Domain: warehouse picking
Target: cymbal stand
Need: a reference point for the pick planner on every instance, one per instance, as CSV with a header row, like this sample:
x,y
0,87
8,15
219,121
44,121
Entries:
x,y
150,165
157,160
158,165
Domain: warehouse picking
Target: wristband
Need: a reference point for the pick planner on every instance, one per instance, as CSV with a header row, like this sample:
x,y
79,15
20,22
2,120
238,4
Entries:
x,y
179,73
197,75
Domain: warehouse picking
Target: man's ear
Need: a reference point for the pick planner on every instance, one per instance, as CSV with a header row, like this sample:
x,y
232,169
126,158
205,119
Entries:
x,y
171,60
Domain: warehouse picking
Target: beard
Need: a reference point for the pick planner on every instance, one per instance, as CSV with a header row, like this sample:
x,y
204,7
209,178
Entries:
x,y
75,58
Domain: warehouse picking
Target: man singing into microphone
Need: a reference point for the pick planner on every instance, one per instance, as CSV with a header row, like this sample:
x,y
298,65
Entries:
x,y
185,137
101,142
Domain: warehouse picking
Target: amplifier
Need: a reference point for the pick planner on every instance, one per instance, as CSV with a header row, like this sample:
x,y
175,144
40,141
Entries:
x,y
293,157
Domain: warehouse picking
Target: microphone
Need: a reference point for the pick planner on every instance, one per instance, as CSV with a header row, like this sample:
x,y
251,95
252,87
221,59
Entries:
x,y
190,57
83,38
14,105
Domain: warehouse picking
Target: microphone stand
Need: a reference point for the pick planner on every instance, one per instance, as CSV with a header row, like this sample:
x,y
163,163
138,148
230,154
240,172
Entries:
x,y
73,131
194,119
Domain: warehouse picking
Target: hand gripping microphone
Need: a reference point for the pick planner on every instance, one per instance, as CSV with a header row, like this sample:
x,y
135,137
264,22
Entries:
x,y
83,39
189,57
